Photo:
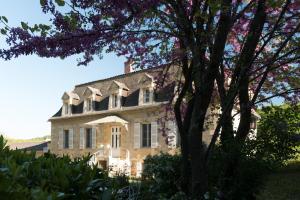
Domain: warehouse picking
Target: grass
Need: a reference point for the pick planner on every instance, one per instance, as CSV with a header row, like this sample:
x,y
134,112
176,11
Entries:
x,y
37,139
283,184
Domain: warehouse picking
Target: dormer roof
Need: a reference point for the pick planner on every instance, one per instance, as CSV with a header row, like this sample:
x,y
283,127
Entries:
x,y
146,79
70,95
91,90
119,85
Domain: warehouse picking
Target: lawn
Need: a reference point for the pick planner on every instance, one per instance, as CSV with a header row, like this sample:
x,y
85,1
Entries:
x,y
37,139
283,184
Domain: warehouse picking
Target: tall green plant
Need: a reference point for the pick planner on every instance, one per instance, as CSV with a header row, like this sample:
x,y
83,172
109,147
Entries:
x,y
25,176
276,134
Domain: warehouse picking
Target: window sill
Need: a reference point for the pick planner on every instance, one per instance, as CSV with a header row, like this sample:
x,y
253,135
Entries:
x,y
147,103
90,111
114,108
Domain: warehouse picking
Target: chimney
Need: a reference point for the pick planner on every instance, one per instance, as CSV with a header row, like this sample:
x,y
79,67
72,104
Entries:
x,y
128,66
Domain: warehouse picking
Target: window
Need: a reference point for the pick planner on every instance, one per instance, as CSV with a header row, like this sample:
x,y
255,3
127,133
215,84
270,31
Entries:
x,y
89,104
116,137
253,124
88,138
146,95
66,139
114,100
146,135
66,109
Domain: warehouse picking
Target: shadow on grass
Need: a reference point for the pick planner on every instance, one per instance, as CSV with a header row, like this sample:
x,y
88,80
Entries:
x,y
283,184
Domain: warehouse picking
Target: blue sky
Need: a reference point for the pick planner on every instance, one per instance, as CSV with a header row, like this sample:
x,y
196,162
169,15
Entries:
x,y
31,87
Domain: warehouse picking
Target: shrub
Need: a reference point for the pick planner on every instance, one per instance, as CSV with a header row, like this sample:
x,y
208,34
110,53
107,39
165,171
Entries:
x,y
275,144
245,180
277,129
160,176
23,176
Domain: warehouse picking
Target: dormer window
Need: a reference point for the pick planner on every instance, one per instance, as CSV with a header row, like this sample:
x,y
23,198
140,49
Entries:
x,y
66,109
69,99
89,104
114,100
146,89
91,95
146,95
117,90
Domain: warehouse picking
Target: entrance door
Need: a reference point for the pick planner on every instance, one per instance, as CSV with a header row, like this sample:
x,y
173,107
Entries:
x,y
115,141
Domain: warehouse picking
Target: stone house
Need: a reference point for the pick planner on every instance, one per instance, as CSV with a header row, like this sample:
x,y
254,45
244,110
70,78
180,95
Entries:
x,y
117,120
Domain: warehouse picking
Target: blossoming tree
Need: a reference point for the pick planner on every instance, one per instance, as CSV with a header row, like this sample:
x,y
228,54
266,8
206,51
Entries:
x,y
244,52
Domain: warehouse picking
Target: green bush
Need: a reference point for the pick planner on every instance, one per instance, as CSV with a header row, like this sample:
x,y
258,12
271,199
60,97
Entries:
x,y
23,176
274,146
245,179
160,176
276,133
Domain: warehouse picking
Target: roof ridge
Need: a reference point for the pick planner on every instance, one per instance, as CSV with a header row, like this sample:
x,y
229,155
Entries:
x,y
119,76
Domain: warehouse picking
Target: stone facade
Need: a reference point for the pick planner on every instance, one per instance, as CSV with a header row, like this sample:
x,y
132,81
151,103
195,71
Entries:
x,y
124,152
146,114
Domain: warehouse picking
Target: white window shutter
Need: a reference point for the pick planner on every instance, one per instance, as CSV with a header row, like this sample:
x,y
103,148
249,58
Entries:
x,y
137,135
71,135
60,138
154,136
93,138
141,97
172,135
81,142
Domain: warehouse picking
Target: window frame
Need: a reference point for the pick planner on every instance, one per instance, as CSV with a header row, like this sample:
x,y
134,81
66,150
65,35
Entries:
x,y
146,136
89,104
115,137
146,95
114,101
88,138
66,139
66,108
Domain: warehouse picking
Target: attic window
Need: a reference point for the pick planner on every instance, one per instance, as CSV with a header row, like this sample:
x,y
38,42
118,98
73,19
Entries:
x,y
89,104
91,95
66,109
146,95
114,100
69,99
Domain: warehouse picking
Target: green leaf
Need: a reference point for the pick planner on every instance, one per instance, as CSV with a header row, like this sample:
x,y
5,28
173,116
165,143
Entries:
x,y
3,31
43,2
60,2
5,19
24,25
107,195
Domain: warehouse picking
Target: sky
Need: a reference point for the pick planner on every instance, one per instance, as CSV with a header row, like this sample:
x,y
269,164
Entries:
x,y
31,87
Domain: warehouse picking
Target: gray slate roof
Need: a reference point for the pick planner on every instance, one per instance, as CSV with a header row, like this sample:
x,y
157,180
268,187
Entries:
x,y
128,82
30,146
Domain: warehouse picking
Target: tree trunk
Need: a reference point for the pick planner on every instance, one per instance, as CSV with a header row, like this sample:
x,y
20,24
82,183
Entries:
x,y
227,130
196,148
